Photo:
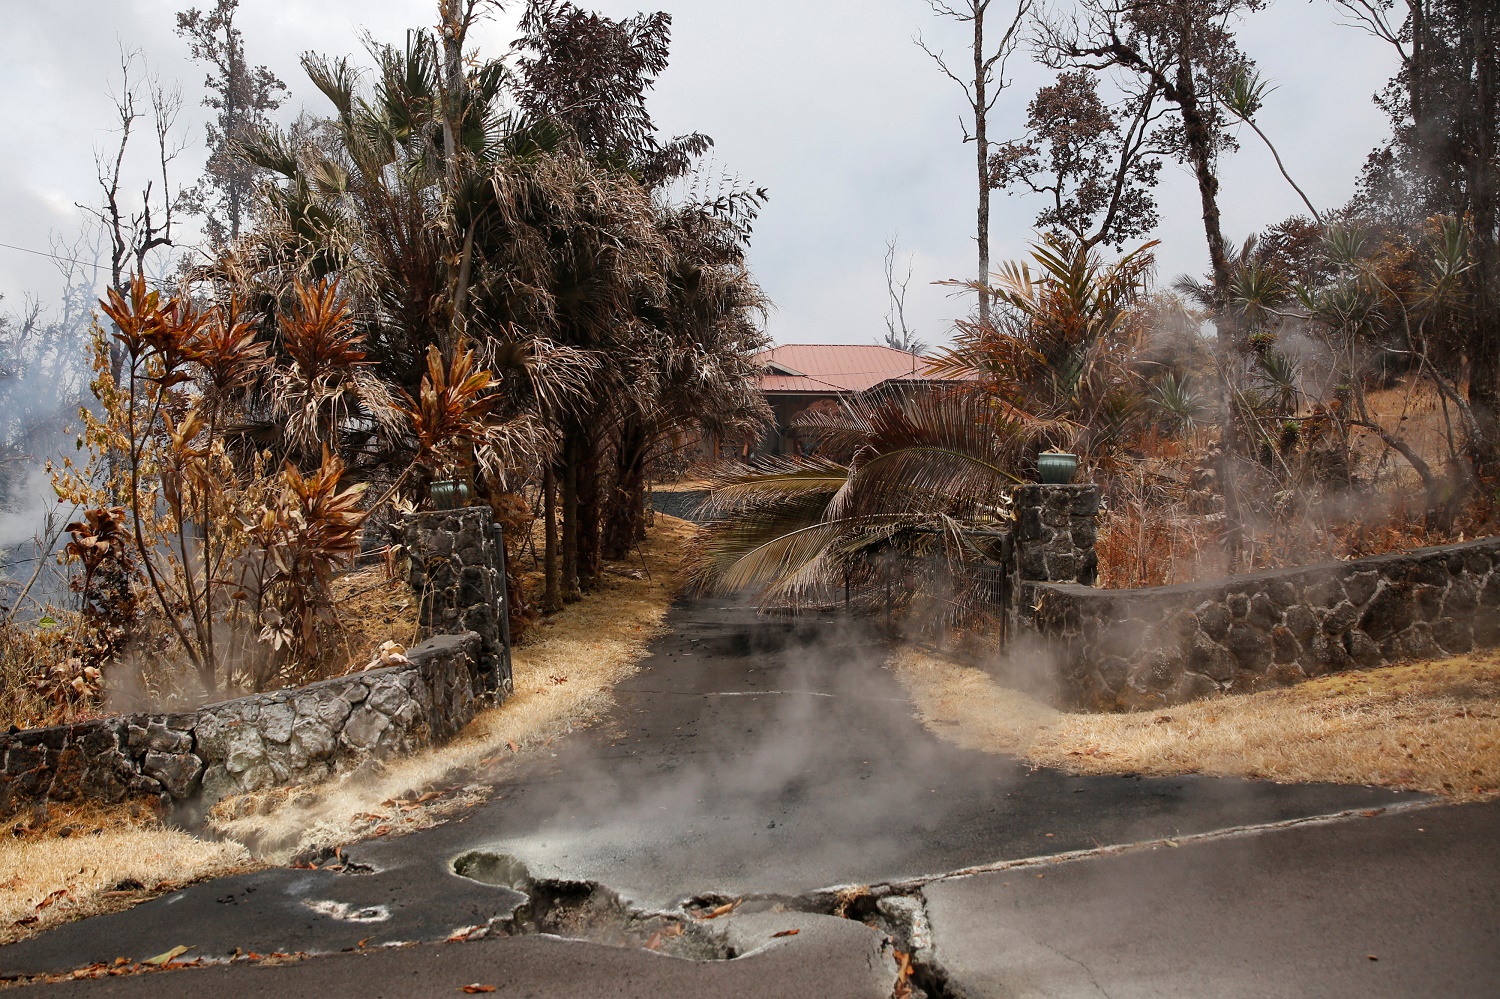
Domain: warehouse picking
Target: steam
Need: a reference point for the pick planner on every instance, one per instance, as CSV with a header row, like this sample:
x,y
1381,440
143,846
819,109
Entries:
x,y
805,762
28,502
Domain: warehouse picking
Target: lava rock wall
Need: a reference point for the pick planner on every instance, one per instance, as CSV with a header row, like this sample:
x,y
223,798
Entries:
x,y
1144,648
458,573
1056,528
285,737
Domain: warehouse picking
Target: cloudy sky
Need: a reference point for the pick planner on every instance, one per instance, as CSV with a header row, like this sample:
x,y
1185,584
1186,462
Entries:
x,y
828,103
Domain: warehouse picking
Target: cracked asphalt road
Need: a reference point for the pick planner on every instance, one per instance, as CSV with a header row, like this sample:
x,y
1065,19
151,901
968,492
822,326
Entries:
x,y
759,756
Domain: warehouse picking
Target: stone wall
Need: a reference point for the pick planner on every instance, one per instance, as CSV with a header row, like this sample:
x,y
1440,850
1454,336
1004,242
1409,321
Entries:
x,y
458,572
1132,649
292,736
1055,530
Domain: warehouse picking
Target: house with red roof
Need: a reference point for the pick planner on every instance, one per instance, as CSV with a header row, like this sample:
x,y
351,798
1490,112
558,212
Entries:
x,y
803,376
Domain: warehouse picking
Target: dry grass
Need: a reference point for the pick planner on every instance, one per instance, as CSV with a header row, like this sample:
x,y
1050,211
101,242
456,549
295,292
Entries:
x,y
563,676
37,667
374,605
1431,727
84,861
1412,411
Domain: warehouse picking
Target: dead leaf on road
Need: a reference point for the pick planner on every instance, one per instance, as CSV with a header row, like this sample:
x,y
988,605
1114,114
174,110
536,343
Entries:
x,y
723,910
476,988
170,955
785,933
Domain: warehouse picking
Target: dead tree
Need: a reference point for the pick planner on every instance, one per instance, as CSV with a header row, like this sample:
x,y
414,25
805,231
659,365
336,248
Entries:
x,y
981,90
136,228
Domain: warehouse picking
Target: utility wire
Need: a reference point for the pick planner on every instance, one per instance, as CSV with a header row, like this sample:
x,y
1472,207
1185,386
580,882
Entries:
x,y
82,263
54,256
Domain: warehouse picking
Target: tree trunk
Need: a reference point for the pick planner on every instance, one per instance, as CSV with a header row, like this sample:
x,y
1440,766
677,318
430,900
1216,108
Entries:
x,y
570,590
1199,141
588,510
459,324
981,140
1484,350
453,27
625,514
552,601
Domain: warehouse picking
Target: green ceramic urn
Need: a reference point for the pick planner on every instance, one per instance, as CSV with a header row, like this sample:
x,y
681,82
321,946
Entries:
x,y
449,494
1057,468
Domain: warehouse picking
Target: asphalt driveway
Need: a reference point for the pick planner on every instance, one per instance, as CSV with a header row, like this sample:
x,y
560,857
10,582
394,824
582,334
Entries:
x,y
755,757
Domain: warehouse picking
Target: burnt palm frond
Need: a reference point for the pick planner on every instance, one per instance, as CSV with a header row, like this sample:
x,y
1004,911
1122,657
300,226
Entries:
x,y
797,529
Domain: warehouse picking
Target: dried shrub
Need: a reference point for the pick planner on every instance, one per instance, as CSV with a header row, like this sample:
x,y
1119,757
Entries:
x,y
49,672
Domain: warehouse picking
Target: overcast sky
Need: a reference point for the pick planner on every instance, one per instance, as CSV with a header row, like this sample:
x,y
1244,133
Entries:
x,y
828,103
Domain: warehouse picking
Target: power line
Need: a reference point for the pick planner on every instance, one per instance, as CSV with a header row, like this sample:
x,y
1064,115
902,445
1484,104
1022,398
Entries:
x,y
54,256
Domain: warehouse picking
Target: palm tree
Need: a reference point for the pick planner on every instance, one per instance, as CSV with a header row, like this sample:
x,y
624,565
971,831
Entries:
x,y
618,318
1060,341
907,489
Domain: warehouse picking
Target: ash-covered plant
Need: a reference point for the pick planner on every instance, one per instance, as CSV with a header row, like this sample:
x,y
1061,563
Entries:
x,y
898,496
236,548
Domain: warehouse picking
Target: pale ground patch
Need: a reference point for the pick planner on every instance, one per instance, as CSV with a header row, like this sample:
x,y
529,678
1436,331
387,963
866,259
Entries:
x,y
563,676
47,879
1431,727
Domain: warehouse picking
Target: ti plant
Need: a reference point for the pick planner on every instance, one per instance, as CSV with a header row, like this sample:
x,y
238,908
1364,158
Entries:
x,y
236,550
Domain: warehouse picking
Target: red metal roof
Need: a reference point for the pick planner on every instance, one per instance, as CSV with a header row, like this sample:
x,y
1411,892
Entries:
x,y
822,368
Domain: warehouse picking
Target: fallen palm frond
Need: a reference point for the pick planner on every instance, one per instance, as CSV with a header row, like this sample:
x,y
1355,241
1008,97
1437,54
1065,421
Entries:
x,y
1432,727
894,494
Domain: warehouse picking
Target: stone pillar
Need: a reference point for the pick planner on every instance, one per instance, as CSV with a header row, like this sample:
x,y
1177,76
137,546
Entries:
x,y
1055,533
457,571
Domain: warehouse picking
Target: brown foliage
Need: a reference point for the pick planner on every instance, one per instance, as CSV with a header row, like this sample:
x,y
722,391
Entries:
x,y
319,334
451,406
102,543
303,535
